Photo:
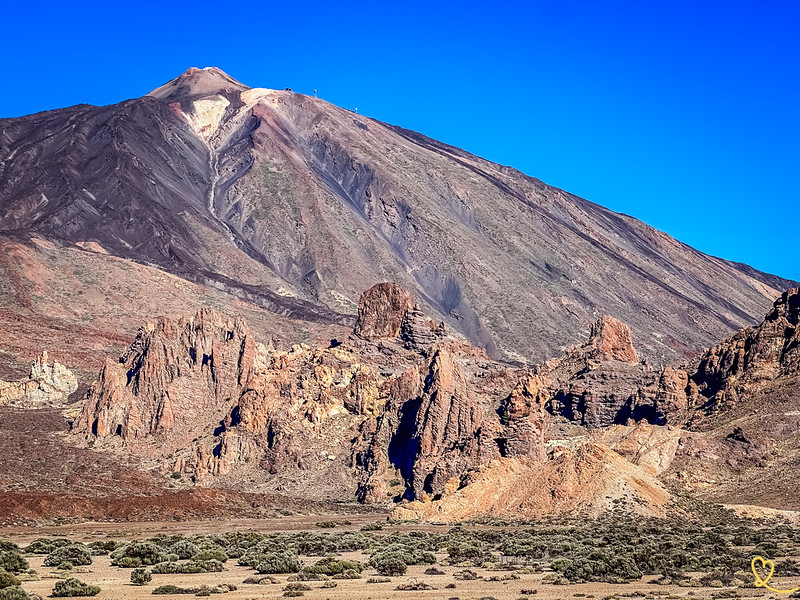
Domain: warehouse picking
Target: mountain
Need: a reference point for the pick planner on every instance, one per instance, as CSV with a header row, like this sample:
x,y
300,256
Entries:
x,y
208,194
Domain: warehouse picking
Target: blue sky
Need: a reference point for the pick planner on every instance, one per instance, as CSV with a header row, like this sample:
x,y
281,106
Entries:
x,y
683,114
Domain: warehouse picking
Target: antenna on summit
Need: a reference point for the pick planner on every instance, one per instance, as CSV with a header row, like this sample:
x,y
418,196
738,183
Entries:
x,y
315,93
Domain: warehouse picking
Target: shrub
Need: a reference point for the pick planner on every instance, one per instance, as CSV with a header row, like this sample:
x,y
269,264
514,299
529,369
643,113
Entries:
x,y
7,579
204,555
70,588
12,561
169,589
184,549
77,554
141,577
467,549
332,566
45,545
391,565
99,548
326,524
374,526
279,562
65,566
350,542
14,593
136,555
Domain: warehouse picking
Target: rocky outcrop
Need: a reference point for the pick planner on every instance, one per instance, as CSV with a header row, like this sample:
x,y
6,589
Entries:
x,y
613,340
741,364
400,412
417,331
524,414
173,372
589,480
446,437
601,382
46,384
382,310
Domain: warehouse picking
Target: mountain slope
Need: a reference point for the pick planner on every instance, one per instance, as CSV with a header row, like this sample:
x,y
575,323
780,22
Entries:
x,y
299,205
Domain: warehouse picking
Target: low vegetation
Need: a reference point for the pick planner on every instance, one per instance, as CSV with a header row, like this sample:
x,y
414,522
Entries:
x,y
71,588
616,551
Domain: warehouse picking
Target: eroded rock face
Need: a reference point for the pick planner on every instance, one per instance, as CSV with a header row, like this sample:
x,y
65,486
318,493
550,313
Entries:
x,y
446,436
613,340
382,310
430,420
744,362
601,382
172,373
47,384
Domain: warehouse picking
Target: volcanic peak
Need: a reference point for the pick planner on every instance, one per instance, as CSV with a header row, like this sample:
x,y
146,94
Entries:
x,y
199,83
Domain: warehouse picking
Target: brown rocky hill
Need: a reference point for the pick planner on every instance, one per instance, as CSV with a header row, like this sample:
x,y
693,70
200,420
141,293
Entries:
x,y
400,412
285,207
397,411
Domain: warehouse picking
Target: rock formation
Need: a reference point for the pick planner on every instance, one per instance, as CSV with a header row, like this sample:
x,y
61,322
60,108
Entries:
x,y
382,310
46,384
386,415
741,364
173,372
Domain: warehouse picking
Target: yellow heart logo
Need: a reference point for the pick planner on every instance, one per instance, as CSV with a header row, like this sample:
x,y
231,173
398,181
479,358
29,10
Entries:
x,y
767,566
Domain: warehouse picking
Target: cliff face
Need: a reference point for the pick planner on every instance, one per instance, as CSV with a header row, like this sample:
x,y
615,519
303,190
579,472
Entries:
x,y
397,410
173,375
753,357
297,206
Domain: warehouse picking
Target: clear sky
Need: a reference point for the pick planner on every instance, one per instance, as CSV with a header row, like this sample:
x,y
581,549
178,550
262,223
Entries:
x,y
685,114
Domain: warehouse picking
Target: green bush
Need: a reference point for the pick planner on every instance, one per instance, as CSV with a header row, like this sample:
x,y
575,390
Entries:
x,y
193,566
100,548
184,549
141,577
14,593
136,554
7,579
210,555
70,588
466,550
12,561
45,545
166,590
279,562
390,564
332,566
77,554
